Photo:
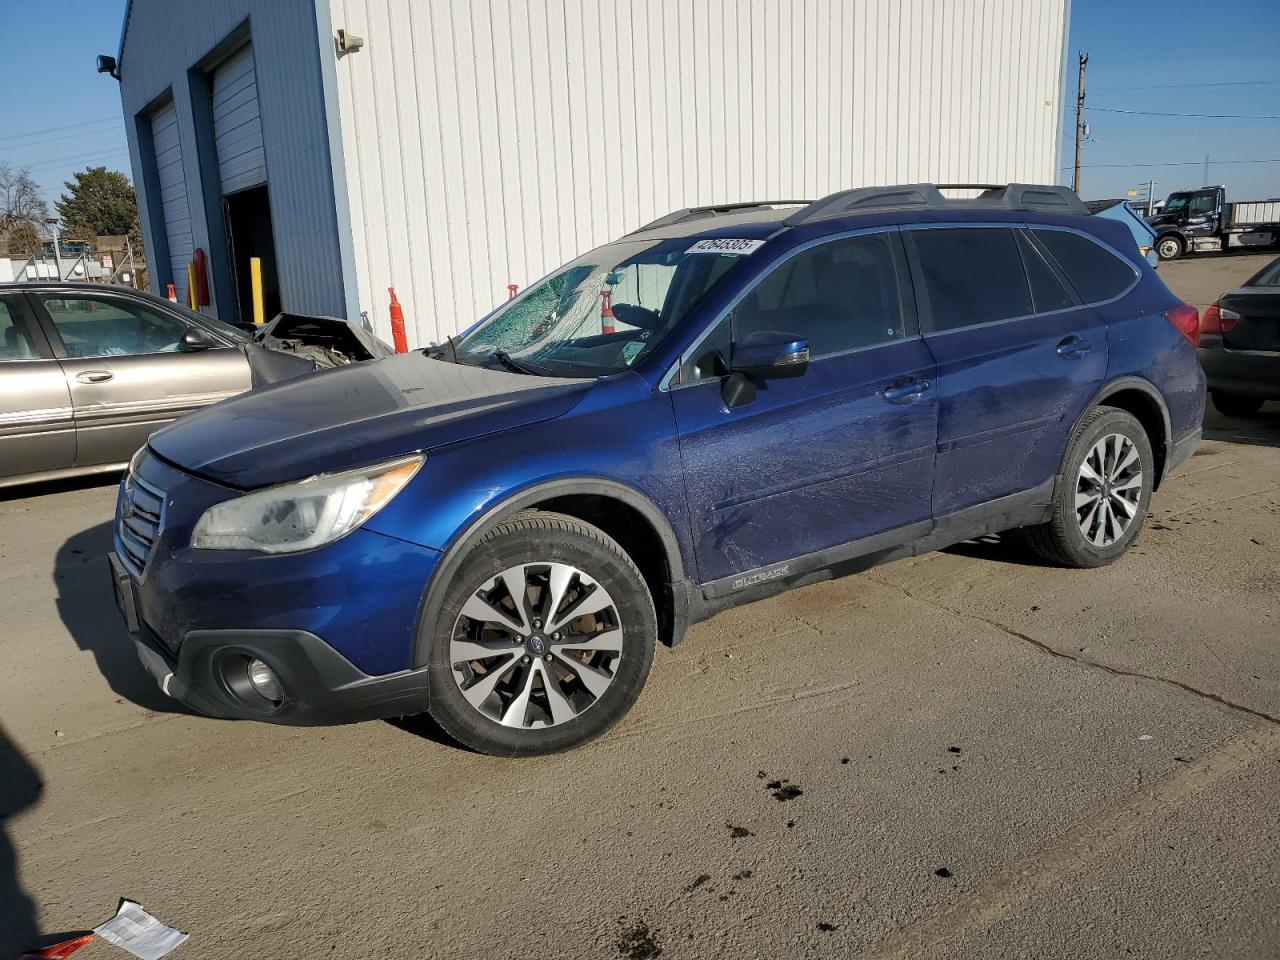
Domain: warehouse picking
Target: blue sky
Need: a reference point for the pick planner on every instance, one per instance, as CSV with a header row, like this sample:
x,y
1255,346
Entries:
x,y
1170,56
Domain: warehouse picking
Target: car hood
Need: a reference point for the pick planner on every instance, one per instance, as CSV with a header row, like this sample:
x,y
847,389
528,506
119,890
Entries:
x,y
357,414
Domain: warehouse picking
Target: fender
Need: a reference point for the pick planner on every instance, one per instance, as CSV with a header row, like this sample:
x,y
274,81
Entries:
x,y
1110,389
463,541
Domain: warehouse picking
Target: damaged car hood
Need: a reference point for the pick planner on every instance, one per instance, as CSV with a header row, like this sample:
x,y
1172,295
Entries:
x,y
357,414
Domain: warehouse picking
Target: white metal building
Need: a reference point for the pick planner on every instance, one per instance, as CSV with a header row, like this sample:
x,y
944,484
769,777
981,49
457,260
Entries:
x,y
467,144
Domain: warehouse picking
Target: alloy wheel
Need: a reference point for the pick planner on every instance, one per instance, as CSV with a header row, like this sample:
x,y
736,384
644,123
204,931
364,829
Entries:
x,y
536,645
1108,489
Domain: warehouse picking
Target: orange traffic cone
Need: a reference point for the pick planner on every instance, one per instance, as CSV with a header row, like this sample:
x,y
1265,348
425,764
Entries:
x,y
397,323
606,312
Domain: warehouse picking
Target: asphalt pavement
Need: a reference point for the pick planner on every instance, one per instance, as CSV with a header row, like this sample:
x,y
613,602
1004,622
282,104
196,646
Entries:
x,y
965,754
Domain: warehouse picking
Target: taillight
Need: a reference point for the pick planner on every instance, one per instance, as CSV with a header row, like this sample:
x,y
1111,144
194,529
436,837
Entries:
x,y
1186,320
1218,319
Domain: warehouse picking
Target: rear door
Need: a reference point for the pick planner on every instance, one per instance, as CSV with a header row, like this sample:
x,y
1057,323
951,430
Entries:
x,y
127,372
37,431
1018,359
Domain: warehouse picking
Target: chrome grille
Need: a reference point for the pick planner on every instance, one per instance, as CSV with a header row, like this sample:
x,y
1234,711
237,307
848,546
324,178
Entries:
x,y
138,522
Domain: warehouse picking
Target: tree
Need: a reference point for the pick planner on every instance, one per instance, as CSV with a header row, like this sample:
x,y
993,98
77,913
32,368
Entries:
x,y
20,200
98,202
20,240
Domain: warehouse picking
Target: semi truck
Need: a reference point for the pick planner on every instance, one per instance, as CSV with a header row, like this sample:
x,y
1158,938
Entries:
x,y
1195,220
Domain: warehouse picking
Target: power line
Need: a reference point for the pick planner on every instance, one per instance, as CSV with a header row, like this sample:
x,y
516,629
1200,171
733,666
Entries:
x,y
97,155
64,136
69,126
1201,116
1174,163
1192,86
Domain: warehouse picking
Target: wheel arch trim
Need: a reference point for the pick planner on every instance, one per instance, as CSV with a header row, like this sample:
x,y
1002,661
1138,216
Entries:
x,y
1119,385
460,545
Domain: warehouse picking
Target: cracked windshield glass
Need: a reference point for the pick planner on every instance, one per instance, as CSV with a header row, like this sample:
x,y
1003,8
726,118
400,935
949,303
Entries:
x,y
601,313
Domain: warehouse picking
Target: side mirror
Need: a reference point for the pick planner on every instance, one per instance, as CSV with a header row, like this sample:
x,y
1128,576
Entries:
x,y
770,355
195,339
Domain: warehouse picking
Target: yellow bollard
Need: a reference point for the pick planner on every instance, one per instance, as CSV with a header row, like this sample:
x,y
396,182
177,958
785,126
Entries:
x,y
255,281
191,284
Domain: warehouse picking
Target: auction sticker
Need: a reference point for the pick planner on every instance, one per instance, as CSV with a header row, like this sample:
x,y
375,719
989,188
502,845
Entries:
x,y
737,247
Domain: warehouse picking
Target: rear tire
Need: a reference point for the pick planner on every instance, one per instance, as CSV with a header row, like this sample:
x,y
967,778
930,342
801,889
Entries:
x,y
1235,404
1103,493
544,638
1169,248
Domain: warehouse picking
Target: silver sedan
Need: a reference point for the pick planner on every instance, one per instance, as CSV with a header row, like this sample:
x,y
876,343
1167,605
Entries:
x,y
88,372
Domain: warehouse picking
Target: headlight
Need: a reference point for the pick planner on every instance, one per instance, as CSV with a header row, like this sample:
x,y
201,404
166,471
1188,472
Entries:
x,y
304,515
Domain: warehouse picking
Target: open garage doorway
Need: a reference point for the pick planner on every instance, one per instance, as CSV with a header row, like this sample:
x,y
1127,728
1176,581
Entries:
x,y
247,215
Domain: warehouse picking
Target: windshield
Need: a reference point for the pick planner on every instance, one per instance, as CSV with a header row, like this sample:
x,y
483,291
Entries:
x,y
602,312
1176,202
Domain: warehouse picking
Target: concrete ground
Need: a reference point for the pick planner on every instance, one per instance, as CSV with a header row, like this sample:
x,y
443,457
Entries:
x,y
961,755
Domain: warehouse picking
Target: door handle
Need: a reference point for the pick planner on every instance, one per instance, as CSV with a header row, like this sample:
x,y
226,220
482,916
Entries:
x,y
905,392
1074,347
94,376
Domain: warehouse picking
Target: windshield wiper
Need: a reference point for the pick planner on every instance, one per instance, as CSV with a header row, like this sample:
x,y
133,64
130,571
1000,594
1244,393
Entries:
x,y
514,365
438,351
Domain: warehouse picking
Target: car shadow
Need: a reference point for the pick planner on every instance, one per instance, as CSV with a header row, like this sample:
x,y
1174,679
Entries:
x,y
1261,429
86,603
1007,547
423,726
48,488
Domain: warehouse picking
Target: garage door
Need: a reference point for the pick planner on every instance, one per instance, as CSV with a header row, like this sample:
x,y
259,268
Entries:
x,y
237,128
173,194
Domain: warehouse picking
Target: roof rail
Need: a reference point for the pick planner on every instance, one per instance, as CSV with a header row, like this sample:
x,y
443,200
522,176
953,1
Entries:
x,y
928,196
696,213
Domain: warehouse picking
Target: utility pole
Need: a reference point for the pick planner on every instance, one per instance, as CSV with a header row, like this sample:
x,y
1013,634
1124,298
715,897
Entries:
x,y
1151,196
1075,180
1206,171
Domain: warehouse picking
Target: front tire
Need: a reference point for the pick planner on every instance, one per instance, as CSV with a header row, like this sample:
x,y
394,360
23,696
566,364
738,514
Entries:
x,y
1103,494
544,639
1235,404
1169,248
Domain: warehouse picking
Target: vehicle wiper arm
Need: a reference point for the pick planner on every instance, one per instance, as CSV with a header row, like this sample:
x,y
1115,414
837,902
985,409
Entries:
x,y
514,365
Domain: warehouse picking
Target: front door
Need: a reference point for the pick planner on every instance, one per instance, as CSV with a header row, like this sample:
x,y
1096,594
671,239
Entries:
x,y
1018,360
127,372
37,432
840,454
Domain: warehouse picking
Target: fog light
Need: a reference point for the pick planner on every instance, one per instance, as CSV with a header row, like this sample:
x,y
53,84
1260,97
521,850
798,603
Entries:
x,y
265,681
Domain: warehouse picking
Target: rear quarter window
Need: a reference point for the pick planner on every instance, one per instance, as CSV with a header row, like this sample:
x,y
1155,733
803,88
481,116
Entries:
x,y
1095,272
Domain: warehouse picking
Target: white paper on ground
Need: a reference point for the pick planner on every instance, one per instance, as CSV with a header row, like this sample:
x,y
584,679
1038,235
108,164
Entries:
x,y
139,932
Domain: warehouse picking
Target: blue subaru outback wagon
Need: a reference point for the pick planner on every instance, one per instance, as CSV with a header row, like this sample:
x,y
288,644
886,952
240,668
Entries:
x,y
726,403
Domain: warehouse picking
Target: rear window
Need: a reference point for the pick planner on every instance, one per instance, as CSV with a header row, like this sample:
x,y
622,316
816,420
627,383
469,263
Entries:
x,y
1095,272
972,276
1269,276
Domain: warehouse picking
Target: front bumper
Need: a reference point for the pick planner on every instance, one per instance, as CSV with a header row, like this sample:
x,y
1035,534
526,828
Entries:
x,y
1254,373
337,624
320,685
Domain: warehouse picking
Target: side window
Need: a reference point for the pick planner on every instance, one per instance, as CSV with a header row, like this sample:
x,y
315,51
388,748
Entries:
x,y
1203,203
1095,272
93,326
840,296
15,340
1047,291
972,275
